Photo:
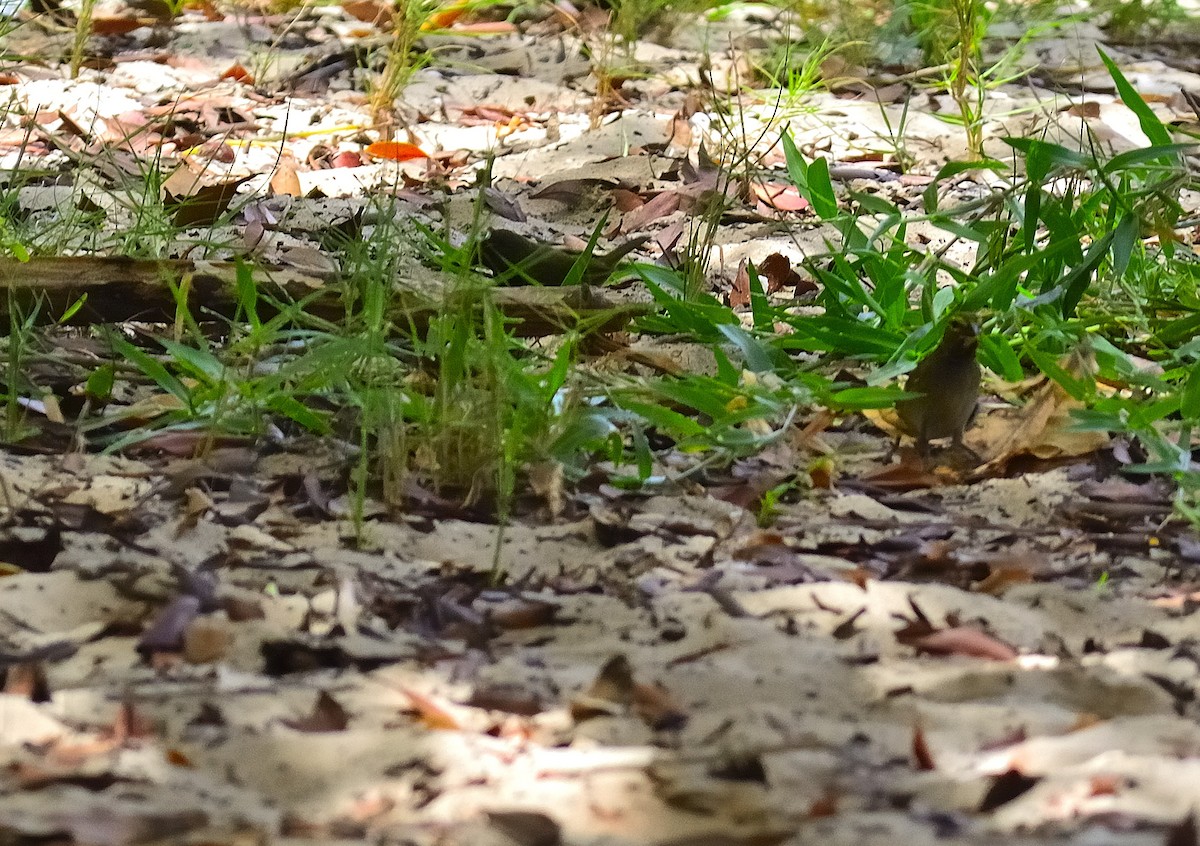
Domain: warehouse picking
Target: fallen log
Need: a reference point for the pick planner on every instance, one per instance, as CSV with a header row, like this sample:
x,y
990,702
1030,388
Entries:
x,y
116,290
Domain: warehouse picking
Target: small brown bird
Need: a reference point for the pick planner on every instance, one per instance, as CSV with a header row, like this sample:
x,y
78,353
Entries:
x,y
948,381
515,259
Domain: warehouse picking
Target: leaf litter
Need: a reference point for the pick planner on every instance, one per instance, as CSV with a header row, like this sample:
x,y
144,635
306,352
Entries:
x,y
199,649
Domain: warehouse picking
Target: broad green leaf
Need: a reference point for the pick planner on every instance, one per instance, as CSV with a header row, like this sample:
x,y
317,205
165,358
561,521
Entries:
x,y
855,399
152,367
1189,397
1152,127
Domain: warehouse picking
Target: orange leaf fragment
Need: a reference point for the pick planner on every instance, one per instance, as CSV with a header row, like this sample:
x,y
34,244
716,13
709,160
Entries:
x,y
238,73
431,712
444,17
395,151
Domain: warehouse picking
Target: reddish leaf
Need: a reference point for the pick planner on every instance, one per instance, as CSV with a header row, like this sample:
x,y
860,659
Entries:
x,y
739,291
369,11
238,74
783,197
964,640
920,750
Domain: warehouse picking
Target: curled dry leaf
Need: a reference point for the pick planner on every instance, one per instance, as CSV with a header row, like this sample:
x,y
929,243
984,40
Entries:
x,y
964,640
238,73
739,290
196,203
779,196
920,749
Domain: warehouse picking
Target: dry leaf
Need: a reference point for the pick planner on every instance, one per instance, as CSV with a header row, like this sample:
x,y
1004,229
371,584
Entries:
x,y
739,290
655,707
327,715
369,11
526,828
432,713
1043,429
196,204
395,151
964,640
1004,789
285,179
610,694
920,749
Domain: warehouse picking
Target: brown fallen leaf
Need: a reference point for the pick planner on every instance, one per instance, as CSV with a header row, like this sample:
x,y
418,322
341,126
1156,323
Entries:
x,y
285,180
526,828
1043,429
1183,833
197,204
327,715
27,680
369,11
964,640
920,749
654,706
1006,788
610,694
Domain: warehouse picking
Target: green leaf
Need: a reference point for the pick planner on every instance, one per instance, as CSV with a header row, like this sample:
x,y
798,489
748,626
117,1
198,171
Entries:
x,y
293,409
1189,398
758,357
1076,283
100,382
811,179
152,367
760,306
1152,127
855,399
73,308
664,419
1124,238
998,357
200,363
1077,389
1046,155
247,294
